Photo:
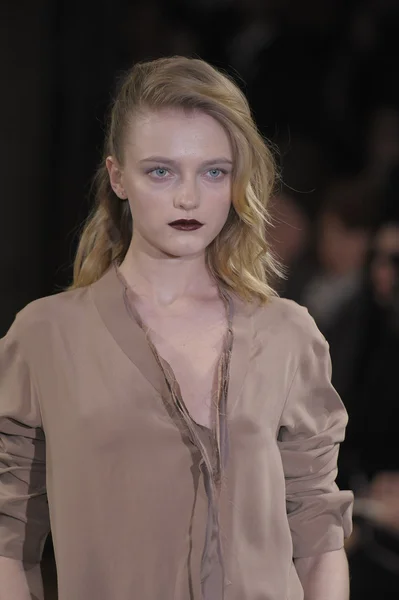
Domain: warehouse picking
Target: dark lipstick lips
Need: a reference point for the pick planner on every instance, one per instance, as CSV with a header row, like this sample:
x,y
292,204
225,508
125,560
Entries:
x,y
186,224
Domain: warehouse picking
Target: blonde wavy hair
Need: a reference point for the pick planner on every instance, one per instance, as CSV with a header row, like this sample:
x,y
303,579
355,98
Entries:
x,y
240,257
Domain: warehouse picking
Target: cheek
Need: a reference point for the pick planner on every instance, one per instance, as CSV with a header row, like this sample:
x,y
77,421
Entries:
x,y
218,202
217,217
146,205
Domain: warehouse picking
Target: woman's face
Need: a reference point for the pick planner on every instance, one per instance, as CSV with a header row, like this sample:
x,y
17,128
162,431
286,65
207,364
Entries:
x,y
177,165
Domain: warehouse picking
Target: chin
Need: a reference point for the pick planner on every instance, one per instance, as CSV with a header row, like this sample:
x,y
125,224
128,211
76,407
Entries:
x,y
184,250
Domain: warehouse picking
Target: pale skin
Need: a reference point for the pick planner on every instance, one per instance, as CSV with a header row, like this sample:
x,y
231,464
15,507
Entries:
x,y
177,299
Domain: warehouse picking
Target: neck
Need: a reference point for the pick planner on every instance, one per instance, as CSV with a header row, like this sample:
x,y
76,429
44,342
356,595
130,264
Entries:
x,y
166,280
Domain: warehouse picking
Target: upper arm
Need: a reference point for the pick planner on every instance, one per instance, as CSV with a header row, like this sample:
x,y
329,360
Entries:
x,y
24,518
312,426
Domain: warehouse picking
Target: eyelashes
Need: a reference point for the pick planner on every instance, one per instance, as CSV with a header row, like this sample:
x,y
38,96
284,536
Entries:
x,y
155,169
161,173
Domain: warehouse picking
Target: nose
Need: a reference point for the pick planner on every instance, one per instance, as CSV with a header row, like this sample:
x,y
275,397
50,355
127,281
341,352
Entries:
x,y
187,195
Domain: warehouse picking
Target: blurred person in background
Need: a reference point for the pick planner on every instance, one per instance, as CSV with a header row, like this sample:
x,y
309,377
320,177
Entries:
x,y
329,280
371,449
290,232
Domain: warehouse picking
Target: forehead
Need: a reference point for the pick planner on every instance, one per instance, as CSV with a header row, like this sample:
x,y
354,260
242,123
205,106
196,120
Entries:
x,y
177,134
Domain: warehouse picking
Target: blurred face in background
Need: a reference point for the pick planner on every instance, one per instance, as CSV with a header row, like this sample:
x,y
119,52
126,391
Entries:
x,y
177,165
291,229
384,269
342,250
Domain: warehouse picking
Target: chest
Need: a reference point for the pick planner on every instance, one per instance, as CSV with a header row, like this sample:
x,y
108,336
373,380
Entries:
x,y
108,395
192,345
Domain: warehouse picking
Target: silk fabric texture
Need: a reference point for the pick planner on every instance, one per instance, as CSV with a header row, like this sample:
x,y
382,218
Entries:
x,y
93,445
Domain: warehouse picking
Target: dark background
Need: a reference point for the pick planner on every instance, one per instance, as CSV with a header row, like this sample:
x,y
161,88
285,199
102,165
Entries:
x,y
322,79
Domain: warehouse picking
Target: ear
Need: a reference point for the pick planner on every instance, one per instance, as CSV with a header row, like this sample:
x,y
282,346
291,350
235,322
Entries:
x,y
115,177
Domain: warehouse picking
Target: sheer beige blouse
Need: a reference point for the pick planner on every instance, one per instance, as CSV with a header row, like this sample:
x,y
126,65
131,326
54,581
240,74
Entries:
x,y
96,444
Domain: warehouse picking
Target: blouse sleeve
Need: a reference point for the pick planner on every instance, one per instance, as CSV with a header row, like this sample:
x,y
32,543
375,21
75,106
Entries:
x,y
24,517
311,428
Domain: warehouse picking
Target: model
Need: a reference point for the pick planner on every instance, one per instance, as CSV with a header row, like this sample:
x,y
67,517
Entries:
x,y
169,417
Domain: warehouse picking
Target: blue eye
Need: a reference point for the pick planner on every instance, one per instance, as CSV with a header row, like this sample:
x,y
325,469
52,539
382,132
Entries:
x,y
159,172
214,173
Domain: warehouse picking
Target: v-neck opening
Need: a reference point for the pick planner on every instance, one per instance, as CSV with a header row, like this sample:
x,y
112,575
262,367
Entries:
x,y
212,443
110,296
168,372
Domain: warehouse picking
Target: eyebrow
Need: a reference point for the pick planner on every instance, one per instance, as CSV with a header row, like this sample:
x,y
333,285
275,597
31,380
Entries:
x,y
170,161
